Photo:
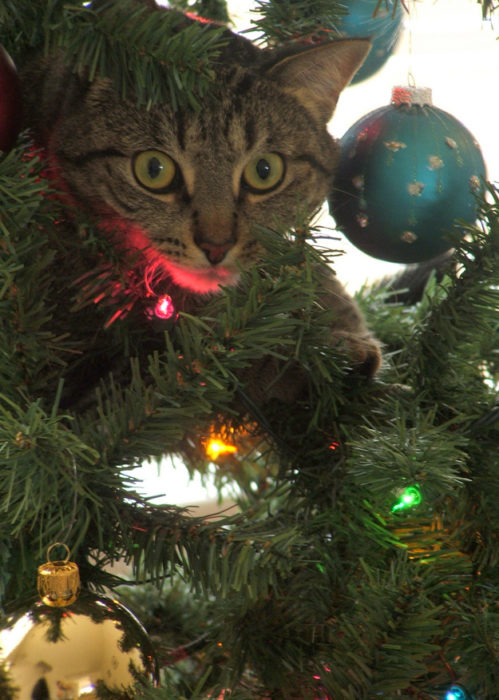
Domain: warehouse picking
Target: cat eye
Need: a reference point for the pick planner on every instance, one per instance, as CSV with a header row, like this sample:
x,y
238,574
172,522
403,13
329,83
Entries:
x,y
263,173
155,171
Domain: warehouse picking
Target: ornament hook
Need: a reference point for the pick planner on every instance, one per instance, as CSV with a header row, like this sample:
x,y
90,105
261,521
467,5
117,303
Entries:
x,y
59,544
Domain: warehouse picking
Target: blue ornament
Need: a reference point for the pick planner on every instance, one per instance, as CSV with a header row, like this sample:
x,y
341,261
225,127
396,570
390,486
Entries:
x,y
385,29
407,172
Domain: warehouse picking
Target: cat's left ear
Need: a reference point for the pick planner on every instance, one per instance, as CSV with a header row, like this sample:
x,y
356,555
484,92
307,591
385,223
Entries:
x,y
318,74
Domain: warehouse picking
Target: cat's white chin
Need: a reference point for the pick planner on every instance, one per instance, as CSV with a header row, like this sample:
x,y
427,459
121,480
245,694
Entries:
x,y
201,280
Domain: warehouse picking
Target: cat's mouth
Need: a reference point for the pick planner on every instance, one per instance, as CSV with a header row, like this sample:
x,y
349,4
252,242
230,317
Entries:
x,y
202,280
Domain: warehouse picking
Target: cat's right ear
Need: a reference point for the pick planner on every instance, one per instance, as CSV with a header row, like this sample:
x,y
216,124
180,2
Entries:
x,y
316,75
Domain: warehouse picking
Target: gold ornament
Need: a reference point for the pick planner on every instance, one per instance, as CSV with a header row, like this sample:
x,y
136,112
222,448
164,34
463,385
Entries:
x,y
58,581
94,649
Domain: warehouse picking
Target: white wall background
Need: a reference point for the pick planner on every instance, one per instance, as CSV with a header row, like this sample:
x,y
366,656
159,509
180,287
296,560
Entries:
x,y
445,46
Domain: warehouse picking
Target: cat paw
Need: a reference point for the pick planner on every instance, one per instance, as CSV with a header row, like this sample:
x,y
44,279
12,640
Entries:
x,y
266,380
364,351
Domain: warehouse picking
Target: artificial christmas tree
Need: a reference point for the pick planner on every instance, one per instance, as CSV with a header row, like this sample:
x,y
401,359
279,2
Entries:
x,y
362,561
10,101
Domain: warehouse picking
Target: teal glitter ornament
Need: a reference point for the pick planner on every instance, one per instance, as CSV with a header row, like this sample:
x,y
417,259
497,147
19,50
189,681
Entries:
x,y
382,22
407,173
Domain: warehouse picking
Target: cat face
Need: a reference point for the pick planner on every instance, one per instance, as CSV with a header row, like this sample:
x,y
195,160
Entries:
x,y
188,188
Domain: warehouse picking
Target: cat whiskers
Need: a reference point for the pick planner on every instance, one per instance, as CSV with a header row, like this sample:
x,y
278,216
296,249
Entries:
x,y
154,274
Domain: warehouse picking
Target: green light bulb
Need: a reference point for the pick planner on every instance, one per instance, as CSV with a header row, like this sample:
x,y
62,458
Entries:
x,y
411,496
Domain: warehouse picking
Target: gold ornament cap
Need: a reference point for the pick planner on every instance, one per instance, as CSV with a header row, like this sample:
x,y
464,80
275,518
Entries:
x,y
58,581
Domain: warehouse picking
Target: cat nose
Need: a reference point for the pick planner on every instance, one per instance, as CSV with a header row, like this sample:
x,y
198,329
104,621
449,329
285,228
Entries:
x,y
215,253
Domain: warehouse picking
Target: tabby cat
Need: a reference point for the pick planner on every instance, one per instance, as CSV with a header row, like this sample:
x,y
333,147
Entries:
x,y
185,188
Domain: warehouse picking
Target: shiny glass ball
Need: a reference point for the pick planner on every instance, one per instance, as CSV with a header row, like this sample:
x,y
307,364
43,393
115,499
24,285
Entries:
x,y
407,173
93,647
384,29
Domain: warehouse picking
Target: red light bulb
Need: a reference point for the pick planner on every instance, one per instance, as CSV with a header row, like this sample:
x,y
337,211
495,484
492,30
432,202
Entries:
x,y
164,307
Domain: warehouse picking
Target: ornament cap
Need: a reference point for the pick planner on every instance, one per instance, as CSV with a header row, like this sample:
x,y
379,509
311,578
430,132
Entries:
x,y
409,95
58,582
